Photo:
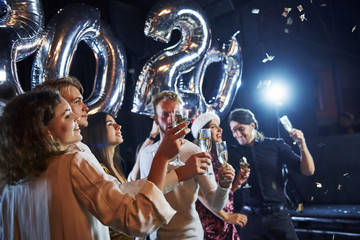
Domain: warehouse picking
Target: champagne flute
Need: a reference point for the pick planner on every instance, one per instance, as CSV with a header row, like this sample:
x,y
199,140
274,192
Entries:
x,y
180,116
222,153
244,164
205,144
287,125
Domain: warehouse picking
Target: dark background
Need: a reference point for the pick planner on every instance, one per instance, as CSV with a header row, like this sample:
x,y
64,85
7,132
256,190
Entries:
x,y
318,59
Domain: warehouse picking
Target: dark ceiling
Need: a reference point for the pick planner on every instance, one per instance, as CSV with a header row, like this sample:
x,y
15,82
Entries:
x,y
319,53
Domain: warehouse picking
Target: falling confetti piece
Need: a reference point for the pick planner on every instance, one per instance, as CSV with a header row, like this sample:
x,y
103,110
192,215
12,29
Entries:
x,y
318,185
302,17
300,207
289,21
255,11
268,58
326,192
312,198
284,14
300,8
346,175
339,187
286,30
287,10
353,29
323,5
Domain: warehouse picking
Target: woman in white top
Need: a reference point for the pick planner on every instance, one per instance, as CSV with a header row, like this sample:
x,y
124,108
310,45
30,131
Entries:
x,y
52,193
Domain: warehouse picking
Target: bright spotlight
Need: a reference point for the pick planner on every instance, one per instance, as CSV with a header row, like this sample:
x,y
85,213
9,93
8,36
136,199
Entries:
x,y
276,94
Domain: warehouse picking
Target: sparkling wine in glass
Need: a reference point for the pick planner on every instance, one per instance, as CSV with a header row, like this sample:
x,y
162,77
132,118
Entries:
x,y
205,143
244,164
222,153
180,116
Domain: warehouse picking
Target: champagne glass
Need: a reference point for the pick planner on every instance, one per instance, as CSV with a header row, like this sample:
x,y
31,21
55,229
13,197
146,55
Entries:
x,y
287,125
180,116
205,143
222,153
244,164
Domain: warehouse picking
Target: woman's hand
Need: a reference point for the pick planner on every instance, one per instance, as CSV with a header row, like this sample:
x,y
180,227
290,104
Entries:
x,y
226,171
241,177
236,218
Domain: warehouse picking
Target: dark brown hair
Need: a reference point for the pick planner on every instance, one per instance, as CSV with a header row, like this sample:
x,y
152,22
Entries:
x,y
95,136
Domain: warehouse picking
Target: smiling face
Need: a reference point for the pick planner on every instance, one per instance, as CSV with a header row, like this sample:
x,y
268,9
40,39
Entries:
x,y
113,131
164,116
243,133
73,96
64,125
216,130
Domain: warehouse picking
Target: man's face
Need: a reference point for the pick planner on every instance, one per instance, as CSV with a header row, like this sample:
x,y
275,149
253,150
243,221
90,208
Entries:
x,y
73,96
242,133
164,114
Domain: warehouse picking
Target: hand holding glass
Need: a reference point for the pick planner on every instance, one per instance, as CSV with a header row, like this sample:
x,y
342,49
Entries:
x,y
180,116
287,125
205,143
222,153
243,165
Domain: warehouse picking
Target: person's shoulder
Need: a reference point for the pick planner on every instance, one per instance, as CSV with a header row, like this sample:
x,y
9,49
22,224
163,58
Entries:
x,y
190,146
151,147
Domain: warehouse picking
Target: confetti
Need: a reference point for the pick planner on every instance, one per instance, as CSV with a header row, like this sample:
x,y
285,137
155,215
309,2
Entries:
x,y
323,5
346,175
302,17
300,8
287,10
339,187
255,11
318,185
289,21
268,58
286,30
300,207
284,14
312,198
353,29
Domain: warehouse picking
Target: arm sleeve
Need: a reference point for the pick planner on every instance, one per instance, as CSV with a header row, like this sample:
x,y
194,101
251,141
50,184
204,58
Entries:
x,y
136,208
288,156
215,195
171,179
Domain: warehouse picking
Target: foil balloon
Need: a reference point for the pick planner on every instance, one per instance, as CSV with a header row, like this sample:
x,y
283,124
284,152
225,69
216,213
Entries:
x,y
230,56
21,28
163,70
75,23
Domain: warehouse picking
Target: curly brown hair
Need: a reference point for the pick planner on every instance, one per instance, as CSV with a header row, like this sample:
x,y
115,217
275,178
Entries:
x,y
25,147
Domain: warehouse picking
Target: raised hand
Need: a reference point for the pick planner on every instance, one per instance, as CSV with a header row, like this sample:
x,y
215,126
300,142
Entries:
x,y
226,171
195,165
240,178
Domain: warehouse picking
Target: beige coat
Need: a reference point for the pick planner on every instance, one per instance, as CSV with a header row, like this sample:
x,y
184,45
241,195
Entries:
x,y
74,198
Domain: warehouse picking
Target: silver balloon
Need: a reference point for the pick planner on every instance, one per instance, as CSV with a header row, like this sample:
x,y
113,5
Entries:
x,y
21,27
230,56
163,70
75,23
